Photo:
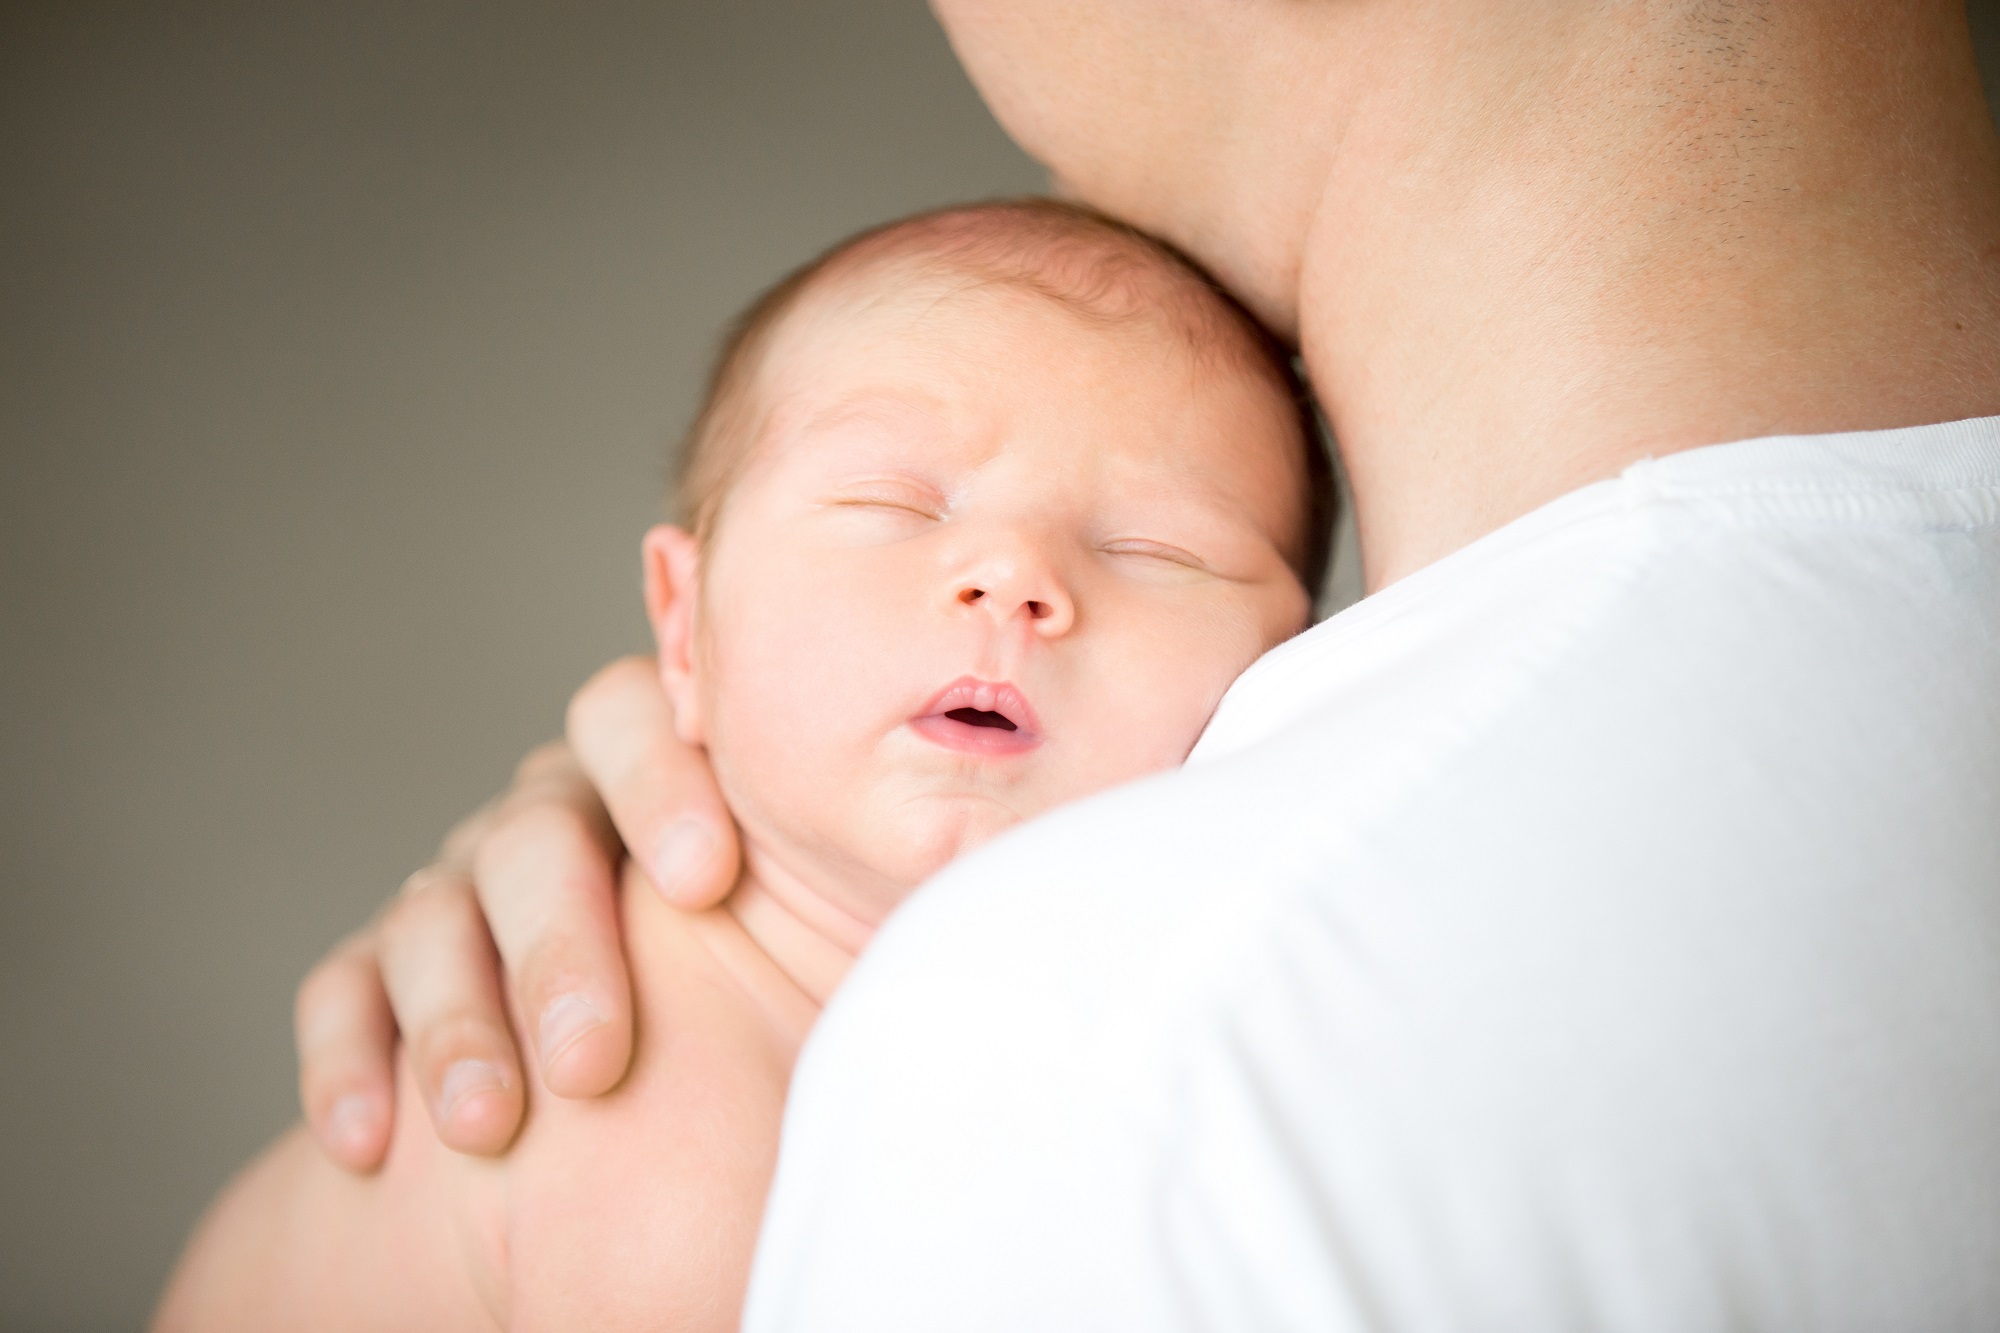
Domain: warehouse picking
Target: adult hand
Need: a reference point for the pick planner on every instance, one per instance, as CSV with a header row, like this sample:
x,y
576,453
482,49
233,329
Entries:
x,y
516,919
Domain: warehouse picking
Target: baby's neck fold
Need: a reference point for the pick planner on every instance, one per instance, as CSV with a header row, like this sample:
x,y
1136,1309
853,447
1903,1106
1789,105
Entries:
x,y
810,938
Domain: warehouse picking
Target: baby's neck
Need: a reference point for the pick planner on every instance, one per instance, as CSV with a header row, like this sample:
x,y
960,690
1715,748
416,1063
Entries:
x,y
811,939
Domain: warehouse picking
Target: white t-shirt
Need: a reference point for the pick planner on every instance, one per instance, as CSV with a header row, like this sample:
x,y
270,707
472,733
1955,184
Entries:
x,y
1599,929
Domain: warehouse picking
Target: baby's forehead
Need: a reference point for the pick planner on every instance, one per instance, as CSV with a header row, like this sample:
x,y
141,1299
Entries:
x,y
938,326
963,351
1109,289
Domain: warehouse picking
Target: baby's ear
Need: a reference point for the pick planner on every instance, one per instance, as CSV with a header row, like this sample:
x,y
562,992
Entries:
x,y
672,562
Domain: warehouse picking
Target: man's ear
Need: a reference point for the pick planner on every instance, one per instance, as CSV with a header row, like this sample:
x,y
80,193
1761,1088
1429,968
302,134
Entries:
x,y
672,562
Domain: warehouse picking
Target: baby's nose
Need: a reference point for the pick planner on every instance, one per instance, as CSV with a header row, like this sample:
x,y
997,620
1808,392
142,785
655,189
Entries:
x,y
1035,608
1020,589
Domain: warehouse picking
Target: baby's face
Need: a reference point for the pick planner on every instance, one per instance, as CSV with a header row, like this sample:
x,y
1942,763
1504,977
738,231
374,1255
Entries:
x,y
986,557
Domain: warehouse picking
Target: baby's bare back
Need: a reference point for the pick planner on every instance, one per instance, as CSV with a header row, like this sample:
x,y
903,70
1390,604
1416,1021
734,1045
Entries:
x,y
640,1209
634,1210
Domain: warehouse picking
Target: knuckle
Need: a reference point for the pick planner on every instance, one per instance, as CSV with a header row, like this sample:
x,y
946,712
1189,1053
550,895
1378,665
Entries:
x,y
454,1034
321,990
430,898
335,977
605,699
420,881
562,957
549,760
333,1008
528,833
327,977
455,852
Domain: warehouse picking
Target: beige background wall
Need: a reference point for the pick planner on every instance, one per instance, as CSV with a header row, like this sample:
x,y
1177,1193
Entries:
x,y
340,346
339,350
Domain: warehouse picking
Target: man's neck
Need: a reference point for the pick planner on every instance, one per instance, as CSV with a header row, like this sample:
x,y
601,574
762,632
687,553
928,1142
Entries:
x,y
1544,254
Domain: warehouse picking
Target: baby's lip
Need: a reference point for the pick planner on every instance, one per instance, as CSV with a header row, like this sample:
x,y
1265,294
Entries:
x,y
980,717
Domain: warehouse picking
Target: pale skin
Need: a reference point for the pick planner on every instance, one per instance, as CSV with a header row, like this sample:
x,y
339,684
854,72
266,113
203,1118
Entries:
x,y
931,607
1521,244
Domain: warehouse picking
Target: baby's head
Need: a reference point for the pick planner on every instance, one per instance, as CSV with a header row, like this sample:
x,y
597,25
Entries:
x,y
986,509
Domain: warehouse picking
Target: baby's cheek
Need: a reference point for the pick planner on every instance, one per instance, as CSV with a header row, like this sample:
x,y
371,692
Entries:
x,y
789,705
1172,676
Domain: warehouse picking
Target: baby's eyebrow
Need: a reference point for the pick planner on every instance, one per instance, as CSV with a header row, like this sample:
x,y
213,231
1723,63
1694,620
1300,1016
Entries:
x,y
889,407
895,423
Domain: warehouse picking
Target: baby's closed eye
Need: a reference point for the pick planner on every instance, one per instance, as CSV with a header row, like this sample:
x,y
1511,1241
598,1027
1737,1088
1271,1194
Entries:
x,y
888,500
1146,554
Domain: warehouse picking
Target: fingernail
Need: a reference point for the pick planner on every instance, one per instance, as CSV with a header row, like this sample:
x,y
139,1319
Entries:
x,y
352,1121
466,1080
683,849
567,1018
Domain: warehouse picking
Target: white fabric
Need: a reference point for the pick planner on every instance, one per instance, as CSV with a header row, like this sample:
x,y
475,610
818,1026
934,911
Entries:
x,y
1599,929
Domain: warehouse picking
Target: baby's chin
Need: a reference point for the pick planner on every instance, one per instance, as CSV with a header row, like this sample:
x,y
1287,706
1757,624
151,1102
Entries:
x,y
920,836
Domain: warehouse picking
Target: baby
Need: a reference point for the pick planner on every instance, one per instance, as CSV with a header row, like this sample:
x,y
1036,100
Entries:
x,y
986,509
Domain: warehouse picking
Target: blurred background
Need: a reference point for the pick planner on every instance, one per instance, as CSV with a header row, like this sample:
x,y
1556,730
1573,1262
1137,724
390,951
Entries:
x,y
341,351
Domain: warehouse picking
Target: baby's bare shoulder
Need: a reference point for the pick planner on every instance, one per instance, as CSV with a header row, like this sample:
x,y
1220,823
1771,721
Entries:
x,y
640,1208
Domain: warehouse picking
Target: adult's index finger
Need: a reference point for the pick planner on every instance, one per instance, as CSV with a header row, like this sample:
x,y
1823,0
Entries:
x,y
660,792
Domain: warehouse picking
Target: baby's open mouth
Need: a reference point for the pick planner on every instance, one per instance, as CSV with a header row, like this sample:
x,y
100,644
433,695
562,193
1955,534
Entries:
x,y
979,717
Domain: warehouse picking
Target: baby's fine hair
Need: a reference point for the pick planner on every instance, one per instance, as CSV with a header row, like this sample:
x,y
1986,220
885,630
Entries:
x,y
1095,266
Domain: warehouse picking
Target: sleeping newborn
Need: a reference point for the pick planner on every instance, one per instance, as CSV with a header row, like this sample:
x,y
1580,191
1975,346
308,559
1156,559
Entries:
x,y
984,511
